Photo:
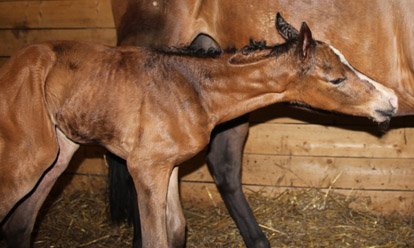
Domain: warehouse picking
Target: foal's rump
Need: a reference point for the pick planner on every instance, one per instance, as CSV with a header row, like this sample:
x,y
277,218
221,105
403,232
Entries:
x,y
28,143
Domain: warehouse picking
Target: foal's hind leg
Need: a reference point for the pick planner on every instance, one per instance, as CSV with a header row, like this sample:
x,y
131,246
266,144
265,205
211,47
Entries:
x,y
175,217
224,161
18,227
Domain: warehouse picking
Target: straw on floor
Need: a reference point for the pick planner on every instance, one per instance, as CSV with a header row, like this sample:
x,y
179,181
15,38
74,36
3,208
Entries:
x,y
297,218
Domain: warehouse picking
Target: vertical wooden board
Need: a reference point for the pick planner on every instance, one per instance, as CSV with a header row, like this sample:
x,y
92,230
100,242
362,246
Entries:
x,y
317,140
13,40
56,14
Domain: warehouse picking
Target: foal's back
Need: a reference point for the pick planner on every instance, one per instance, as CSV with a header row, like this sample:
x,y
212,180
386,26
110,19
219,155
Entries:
x,y
84,86
107,95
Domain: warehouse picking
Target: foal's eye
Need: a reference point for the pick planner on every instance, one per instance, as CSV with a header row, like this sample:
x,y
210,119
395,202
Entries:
x,y
337,81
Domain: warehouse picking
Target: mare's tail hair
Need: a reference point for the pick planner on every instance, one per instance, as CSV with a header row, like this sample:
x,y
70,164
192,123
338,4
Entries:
x,y
123,203
122,194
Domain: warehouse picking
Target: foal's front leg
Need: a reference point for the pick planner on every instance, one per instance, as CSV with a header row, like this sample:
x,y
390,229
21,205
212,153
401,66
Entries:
x,y
151,182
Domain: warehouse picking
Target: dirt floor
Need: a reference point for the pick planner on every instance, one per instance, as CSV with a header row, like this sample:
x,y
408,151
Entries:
x,y
304,218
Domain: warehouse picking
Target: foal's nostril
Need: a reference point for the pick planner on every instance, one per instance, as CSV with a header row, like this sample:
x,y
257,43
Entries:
x,y
394,102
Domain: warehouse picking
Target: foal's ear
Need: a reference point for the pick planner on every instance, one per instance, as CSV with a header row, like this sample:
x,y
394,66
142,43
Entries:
x,y
305,40
285,29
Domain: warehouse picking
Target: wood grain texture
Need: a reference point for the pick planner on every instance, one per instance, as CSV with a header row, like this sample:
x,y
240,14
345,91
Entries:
x,y
56,14
318,172
329,141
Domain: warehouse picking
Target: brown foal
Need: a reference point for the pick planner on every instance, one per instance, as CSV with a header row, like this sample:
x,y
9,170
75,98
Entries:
x,y
155,109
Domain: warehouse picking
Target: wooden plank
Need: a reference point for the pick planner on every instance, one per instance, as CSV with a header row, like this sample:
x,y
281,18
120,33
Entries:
x,y
322,172
285,171
317,140
74,182
88,160
56,14
379,202
13,40
317,172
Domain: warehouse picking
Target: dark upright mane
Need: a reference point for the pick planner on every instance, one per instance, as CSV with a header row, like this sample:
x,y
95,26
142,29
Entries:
x,y
275,50
254,46
189,51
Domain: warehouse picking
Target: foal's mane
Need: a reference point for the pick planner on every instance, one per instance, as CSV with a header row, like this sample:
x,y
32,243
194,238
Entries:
x,y
189,51
254,46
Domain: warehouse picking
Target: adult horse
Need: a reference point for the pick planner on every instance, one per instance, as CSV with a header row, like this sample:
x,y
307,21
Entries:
x,y
374,35
154,108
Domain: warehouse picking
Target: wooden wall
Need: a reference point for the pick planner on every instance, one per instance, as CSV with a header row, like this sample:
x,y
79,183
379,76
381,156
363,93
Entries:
x,y
287,148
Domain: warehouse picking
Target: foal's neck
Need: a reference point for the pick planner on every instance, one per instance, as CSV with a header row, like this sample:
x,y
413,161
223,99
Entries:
x,y
236,84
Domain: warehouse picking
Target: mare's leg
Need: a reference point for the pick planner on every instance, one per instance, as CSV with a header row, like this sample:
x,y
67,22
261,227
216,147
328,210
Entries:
x,y
151,183
224,161
175,217
18,227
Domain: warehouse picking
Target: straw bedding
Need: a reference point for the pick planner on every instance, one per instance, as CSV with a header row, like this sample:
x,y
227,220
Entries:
x,y
301,218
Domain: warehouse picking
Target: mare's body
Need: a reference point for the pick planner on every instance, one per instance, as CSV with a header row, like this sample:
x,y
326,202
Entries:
x,y
375,36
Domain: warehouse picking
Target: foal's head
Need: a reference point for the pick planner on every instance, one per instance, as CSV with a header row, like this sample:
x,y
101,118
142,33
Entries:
x,y
323,78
